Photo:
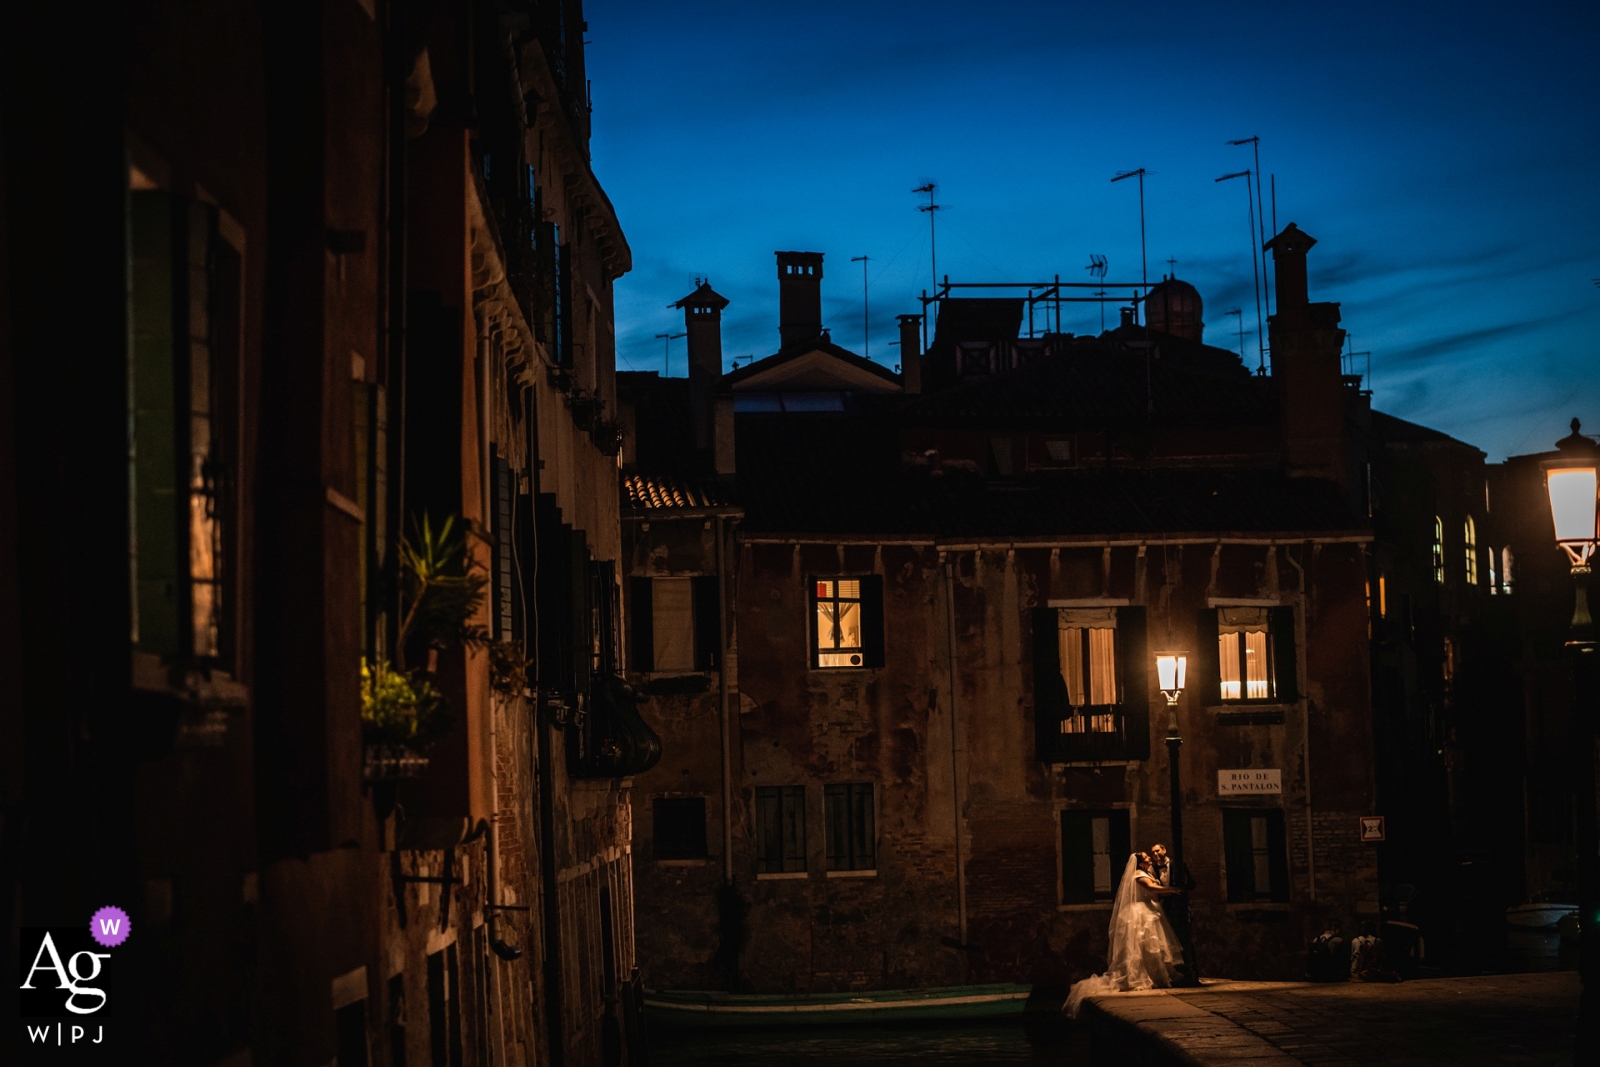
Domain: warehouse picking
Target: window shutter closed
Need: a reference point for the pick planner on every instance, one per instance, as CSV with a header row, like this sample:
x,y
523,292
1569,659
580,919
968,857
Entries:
x,y
1207,680
1278,855
1049,690
1077,857
1133,671
1238,857
643,651
1285,662
872,620
707,624
1121,848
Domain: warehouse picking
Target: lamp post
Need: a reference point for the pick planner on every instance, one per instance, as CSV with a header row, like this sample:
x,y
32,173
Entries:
x,y
1171,671
1572,479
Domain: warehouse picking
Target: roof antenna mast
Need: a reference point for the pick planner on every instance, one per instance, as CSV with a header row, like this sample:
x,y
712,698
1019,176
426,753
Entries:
x,y
1254,142
1255,268
1097,271
1144,268
866,308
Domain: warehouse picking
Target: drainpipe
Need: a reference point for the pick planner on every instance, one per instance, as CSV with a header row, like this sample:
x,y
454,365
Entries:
x,y
955,745
496,943
1305,715
725,723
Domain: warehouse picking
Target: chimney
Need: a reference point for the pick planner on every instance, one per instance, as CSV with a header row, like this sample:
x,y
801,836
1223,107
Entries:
x,y
799,297
1128,316
1306,341
910,353
702,322
1289,250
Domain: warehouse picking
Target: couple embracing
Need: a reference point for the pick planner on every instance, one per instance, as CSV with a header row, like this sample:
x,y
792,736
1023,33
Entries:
x,y
1145,951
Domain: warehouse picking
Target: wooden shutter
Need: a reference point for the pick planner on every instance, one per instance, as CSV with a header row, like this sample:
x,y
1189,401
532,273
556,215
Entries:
x,y
503,500
1238,856
642,650
1121,846
1206,671
1278,855
872,621
1049,690
1133,670
1284,661
1077,856
707,624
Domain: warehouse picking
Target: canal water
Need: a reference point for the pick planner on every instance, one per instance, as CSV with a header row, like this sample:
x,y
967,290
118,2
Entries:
x,y
1006,1044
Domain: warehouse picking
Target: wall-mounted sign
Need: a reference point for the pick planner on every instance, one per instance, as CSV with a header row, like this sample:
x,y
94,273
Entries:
x,y
1372,828
1249,780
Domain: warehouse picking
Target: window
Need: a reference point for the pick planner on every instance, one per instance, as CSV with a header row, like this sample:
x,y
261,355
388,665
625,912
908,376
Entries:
x,y
676,623
780,829
1091,698
1438,550
847,622
1254,651
1088,640
851,830
350,1026
1383,596
1094,849
1256,855
678,830
183,321
1470,532
1494,574
1506,566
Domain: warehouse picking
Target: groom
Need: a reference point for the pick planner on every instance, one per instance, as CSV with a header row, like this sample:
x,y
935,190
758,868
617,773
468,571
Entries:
x,y
1176,906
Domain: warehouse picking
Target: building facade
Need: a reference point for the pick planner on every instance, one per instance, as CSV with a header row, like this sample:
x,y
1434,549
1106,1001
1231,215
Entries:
x,y
897,633
333,277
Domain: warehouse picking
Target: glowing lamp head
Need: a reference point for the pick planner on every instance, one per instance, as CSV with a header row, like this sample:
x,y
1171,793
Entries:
x,y
1171,669
1573,481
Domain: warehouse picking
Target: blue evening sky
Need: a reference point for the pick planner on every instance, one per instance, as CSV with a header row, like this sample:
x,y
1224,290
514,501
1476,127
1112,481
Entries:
x,y
1445,155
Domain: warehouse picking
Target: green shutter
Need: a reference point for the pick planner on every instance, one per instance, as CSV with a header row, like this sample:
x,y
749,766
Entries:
x,y
1133,670
642,623
1205,672
1049,690
1284,662
1077,858
707,623
1238,855
872,620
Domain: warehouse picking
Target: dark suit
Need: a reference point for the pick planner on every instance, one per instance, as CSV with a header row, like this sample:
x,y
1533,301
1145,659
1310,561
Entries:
x,y
1176,906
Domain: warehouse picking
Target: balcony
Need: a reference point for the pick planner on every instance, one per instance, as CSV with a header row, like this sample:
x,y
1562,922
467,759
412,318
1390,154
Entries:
x,y
1095,734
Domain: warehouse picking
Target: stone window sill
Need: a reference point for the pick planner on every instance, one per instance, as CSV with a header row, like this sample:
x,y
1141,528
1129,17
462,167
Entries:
x,y
683,863
782,876
853,874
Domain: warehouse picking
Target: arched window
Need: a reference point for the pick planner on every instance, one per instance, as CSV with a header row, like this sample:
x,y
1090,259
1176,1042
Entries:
x,y
1470,530
1438,550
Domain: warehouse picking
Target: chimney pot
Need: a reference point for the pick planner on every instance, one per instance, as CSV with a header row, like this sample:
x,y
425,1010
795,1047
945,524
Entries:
x,y
799,297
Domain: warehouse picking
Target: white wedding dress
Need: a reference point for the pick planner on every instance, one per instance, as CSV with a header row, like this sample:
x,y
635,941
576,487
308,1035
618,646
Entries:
x,y
1143,949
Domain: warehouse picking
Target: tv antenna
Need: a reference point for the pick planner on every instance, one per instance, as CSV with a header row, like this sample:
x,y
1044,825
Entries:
x,y
1097,270
1255,269
1240,313
866,308
666,355
1144,269
931,188
1254,142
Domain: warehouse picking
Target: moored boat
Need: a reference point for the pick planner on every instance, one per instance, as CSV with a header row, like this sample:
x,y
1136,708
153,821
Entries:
x,y
699,1008
1539,915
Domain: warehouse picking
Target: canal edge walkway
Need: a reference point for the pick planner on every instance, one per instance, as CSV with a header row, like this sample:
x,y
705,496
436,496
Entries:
x,y
1523,1018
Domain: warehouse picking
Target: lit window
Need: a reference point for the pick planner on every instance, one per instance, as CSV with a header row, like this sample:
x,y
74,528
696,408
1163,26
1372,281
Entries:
x,y
839,623
1506,566
1438,550
1470,530
1089,667
1244,653
1383,597
1494,577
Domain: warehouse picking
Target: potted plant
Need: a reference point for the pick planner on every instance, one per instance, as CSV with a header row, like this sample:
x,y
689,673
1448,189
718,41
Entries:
x,y
441,593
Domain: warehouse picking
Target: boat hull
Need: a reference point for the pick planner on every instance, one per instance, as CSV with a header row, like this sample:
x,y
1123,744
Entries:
x,y
700,1010
1539,916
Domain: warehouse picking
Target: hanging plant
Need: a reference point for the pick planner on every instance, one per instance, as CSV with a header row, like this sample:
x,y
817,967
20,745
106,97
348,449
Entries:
x,y
508,667
399,708
441,589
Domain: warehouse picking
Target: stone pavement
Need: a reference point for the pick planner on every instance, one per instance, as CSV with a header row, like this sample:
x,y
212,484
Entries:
x,y
1522,1019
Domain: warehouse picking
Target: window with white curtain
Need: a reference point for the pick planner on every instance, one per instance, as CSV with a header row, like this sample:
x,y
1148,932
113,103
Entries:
x,y
1088,639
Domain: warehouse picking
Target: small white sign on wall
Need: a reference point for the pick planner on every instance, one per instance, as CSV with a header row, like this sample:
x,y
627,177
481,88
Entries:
x,y
1249,780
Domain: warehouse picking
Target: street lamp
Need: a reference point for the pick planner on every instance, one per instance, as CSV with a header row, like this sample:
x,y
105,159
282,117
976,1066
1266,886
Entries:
x,y
1172,669
1572,478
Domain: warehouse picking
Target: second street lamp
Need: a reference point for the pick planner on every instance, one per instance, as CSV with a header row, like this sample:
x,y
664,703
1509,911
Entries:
x,y
1572,478
1172,669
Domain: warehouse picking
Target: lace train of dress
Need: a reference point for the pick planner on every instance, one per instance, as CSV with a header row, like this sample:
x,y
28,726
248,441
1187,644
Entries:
x,y
1143,948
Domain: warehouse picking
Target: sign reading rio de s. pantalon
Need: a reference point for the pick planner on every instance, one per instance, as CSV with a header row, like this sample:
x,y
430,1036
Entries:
x,y
1247,780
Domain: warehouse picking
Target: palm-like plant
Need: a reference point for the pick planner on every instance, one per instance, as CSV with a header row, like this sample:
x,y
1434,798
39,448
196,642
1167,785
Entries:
x,y
441,589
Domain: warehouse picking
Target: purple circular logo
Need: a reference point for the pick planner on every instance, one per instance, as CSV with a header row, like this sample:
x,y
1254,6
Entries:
x,y
110,926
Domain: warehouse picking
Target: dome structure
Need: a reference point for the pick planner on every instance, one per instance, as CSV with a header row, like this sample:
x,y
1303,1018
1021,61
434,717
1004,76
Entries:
x,y
1174,307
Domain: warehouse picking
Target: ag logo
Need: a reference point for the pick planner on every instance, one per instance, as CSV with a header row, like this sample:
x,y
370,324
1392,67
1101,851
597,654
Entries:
x,y
64,974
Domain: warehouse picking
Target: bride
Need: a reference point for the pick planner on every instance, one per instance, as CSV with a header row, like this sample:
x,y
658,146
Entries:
x,y
1143,948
